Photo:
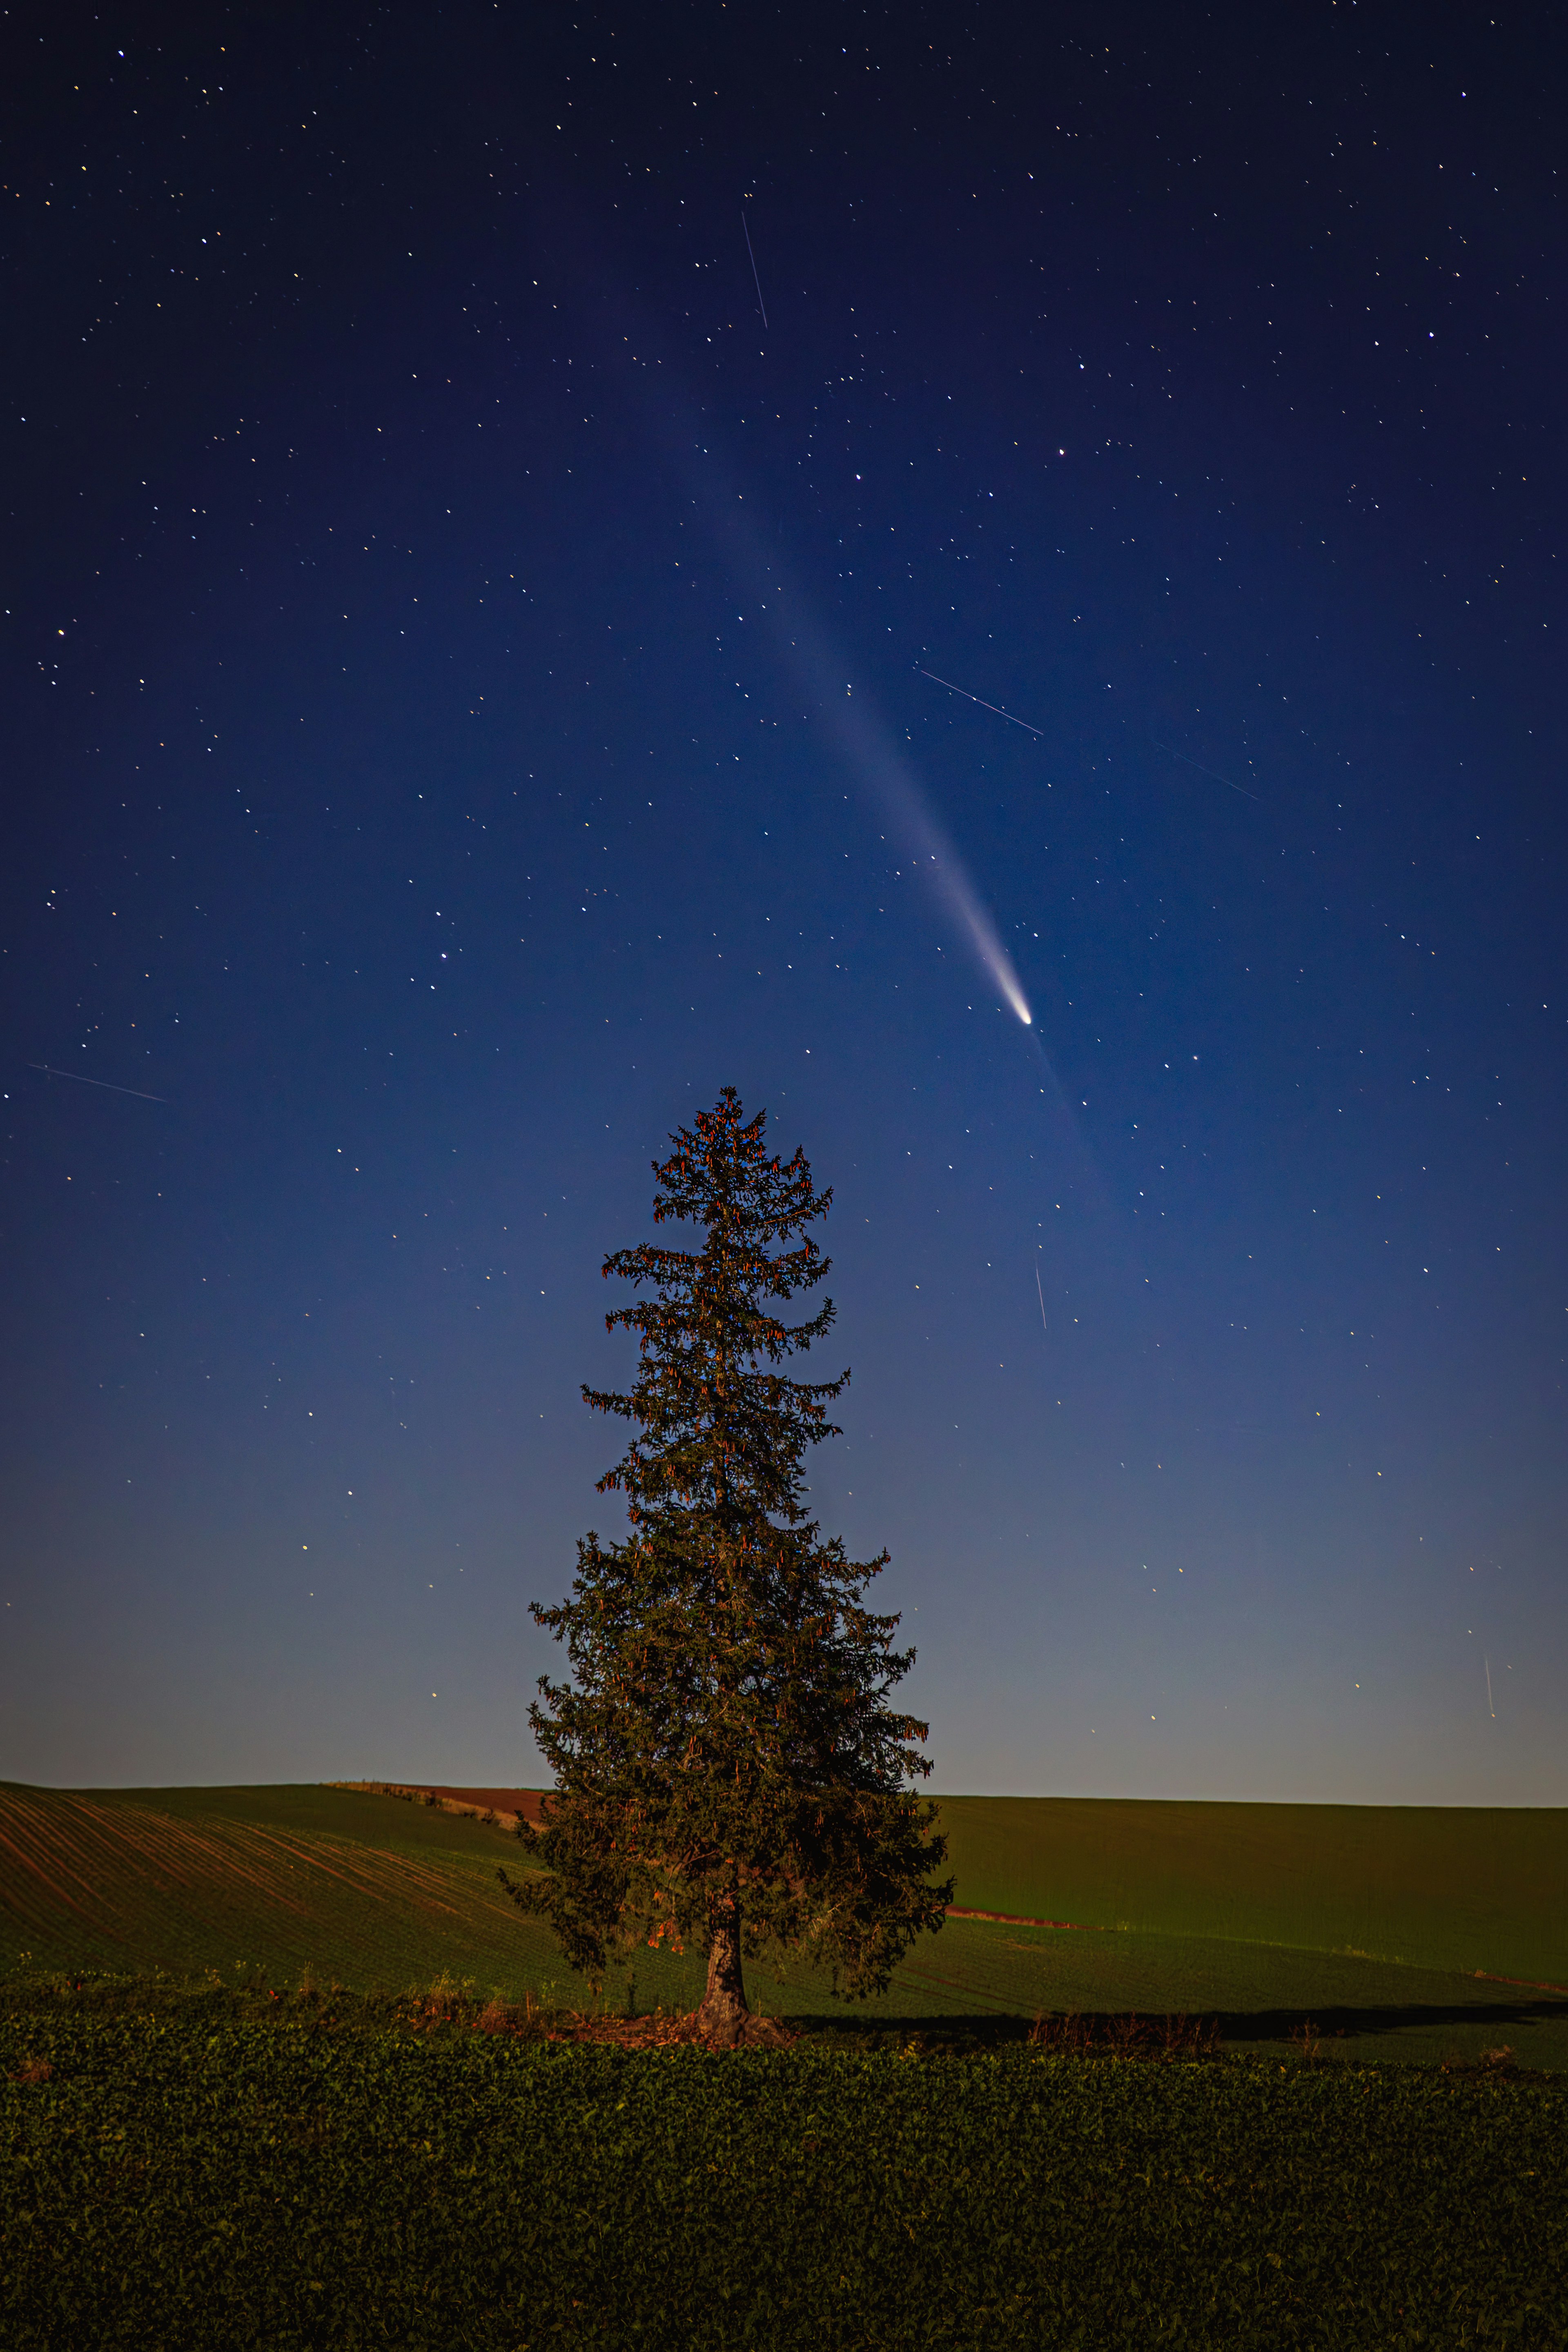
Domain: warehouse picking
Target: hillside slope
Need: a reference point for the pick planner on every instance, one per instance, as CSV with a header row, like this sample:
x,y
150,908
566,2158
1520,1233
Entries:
x,y
279,1879
1440,1887
1256,1914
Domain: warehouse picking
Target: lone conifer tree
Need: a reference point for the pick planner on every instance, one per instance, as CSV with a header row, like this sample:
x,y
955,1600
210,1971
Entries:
x,y
728,1769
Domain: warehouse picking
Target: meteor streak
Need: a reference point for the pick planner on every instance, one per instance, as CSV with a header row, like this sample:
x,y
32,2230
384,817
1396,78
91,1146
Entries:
x,y
755,280
1201,769
996,707
77,1079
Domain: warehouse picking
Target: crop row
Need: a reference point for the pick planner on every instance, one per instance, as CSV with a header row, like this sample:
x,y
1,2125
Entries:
x,y
69,1859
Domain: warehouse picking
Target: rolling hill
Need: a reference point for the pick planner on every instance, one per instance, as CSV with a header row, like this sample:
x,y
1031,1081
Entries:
x,y
1411,1931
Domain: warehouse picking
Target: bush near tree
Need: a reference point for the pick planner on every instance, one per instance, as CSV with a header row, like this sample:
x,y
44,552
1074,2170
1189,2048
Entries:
x,y
728,1768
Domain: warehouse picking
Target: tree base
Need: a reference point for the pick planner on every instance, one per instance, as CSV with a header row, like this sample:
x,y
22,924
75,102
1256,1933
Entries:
x,y
745,2033
720,2027
723,2017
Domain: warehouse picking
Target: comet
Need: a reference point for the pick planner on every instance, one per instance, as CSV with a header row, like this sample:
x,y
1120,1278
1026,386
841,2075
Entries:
x,y
865,740
869,746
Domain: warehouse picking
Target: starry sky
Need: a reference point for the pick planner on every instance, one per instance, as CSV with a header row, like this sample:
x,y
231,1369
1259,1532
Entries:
x,y
559,560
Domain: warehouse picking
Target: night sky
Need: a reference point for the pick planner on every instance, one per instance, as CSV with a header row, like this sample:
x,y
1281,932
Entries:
x,y
472,692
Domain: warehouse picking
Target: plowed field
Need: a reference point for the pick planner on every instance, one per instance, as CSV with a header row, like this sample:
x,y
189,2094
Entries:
x,y
363,1888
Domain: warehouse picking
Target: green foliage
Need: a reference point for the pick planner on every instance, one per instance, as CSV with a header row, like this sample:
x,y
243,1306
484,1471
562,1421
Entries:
x,y
724,1755
178,2179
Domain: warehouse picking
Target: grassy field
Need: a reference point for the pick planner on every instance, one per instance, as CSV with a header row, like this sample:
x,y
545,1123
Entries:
x,y
1373,1922
1443,1887
180,2169
365,1888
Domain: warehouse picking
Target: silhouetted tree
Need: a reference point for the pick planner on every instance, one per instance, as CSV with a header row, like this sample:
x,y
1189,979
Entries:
x,y
727,1767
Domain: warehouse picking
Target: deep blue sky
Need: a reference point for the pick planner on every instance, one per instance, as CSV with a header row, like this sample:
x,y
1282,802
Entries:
x,y
464,705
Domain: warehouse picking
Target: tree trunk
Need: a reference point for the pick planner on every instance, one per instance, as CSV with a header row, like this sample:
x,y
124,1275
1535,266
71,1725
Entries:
x,y
722,2016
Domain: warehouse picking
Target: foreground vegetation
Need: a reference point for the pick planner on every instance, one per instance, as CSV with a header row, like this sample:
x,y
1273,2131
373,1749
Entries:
x,y
255,2167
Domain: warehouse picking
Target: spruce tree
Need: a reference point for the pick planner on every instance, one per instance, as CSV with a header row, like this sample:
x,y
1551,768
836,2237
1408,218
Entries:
x,y
728,1771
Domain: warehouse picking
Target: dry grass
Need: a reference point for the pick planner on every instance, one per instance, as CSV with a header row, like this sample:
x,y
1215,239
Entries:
x,y
1075,2035
452,2001
662,2030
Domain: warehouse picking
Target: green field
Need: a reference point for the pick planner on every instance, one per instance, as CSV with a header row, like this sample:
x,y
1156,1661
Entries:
x,y
1373,1921
365,1888
180,2174
1441,1887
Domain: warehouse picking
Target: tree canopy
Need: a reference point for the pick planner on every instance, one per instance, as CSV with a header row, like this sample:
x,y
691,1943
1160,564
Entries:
x,y
728,1768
